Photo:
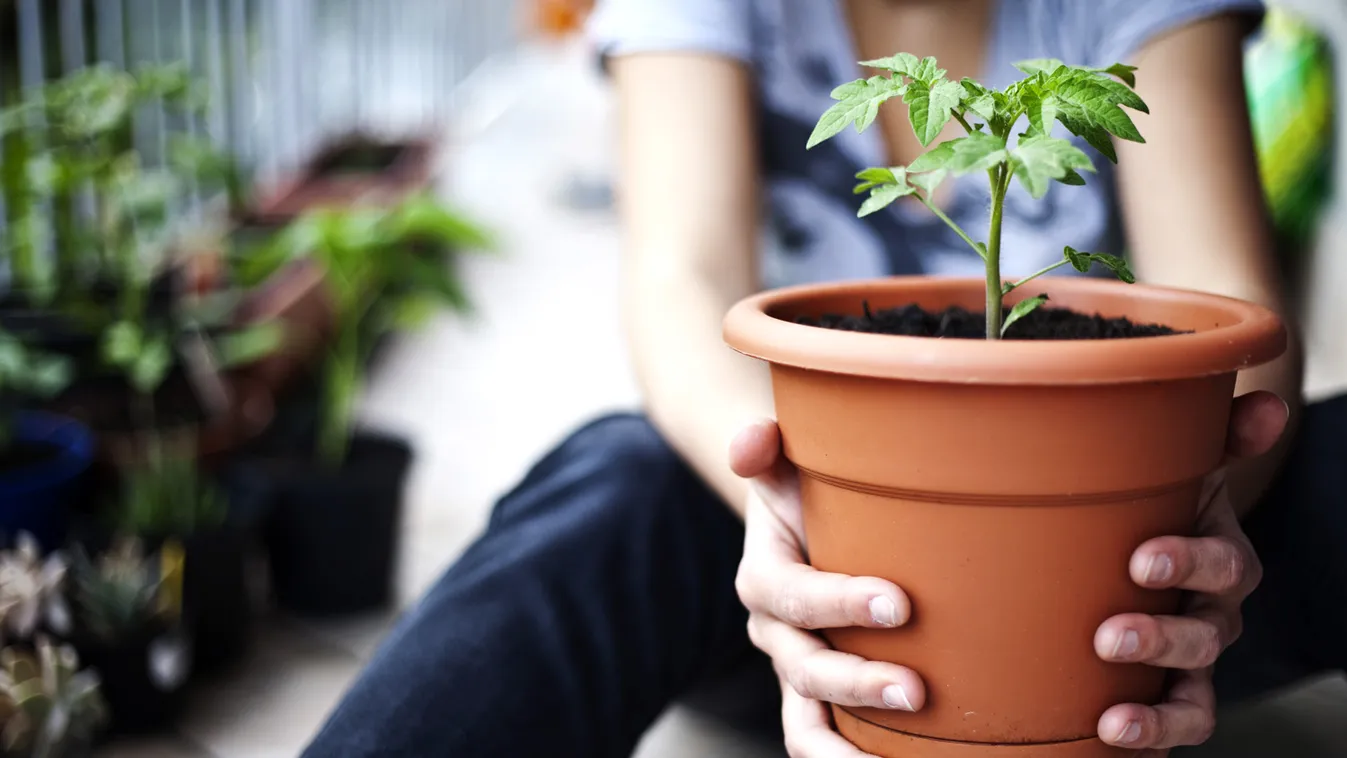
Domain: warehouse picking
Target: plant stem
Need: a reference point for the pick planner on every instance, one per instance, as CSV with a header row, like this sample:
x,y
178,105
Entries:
x,y
1035,275
925,199
962,121
993,258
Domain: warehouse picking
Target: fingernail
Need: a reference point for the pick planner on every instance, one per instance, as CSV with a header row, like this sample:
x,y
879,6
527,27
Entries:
x,y
896,697
1127,645
1160,569
883,611
1130,733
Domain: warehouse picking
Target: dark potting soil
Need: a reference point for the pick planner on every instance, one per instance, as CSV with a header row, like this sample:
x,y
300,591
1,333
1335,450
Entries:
x,y
22,455
1044,323
361,159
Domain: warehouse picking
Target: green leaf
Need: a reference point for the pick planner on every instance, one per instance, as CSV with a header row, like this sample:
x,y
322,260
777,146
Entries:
x,y
978,99
902,63
1083,262
1096,101
930,107
1076,122
1039,159
873,177
121,343
883,196
1022,308
48,375
978,151
928,181
425,218
250,344
151,366
1039,65
928,71
1123,72
1072,178
858,102
1040,108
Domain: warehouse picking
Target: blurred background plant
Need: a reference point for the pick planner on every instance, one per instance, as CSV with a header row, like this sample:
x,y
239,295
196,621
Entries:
x,y
48,707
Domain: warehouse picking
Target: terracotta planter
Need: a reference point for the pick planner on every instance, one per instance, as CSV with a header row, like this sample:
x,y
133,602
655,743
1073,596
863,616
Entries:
x,y
1004,486
357,169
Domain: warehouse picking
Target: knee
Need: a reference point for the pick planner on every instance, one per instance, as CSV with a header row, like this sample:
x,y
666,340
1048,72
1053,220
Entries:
x,y
602,472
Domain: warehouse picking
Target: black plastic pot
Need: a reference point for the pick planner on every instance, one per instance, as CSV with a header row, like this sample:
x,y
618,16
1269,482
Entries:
x,y
333,536
142,677
217,603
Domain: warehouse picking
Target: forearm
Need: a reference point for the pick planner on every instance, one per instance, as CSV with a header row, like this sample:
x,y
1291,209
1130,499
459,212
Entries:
x,y
698,392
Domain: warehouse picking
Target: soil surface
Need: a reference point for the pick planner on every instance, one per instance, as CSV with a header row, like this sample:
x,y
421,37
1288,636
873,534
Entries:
x,y
22,455
361,159
1045,323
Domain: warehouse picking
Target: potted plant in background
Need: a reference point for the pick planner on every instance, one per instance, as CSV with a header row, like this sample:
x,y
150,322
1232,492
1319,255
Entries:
x,y
30,590
973,472
356,169
42,456
333,534
126,627
48,707
174,508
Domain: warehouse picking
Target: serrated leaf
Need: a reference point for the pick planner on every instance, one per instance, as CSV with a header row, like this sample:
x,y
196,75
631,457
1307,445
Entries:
x,y
1072,178
1040,108
1097,101
1076,122
873,177
1083,262
928,71
857,103
978,151
902,63
927,181
930,107
882,197
1039,65
1022,308
1040,159
1123,72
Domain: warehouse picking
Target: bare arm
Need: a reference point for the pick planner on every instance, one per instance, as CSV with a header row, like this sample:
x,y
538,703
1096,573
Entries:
x,y
688,195
1193,204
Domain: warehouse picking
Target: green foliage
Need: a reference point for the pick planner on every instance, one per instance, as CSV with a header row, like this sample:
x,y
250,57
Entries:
x,y
1089,103
26,373
115,597
387,268
166,495
48,707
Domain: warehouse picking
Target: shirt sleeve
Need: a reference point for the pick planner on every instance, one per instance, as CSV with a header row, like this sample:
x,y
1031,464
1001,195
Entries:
x,y
721,27
1124,26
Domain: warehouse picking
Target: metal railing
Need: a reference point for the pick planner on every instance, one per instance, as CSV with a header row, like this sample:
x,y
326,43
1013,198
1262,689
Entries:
x,y
283,74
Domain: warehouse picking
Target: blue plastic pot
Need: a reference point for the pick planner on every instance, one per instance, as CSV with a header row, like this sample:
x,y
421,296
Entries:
x,y
35,499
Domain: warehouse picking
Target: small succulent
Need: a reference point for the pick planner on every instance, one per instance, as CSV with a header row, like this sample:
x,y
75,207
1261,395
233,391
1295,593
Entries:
x,y
30,589
48,707
115,596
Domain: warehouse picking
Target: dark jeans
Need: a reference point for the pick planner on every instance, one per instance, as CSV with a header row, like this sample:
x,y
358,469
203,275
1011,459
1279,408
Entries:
x,y
602,591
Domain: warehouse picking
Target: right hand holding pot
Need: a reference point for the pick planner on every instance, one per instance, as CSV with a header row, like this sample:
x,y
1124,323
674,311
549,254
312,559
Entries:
x,y
787,600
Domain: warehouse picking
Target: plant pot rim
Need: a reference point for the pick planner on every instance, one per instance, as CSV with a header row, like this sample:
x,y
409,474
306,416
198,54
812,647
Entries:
x,y
74,441
1227,334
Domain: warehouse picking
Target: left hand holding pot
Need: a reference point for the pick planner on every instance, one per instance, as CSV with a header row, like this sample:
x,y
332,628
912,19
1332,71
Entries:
x,y
1220,569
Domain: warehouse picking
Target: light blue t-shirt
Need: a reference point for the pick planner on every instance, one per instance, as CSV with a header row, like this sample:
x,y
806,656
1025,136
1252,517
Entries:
x,y
801,49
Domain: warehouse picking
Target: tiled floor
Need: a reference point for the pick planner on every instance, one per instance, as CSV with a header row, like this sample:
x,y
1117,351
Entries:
x,y
481,399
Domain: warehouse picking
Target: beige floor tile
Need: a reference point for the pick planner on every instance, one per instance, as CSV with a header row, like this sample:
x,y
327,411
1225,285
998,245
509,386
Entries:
x,y
274,703
156,747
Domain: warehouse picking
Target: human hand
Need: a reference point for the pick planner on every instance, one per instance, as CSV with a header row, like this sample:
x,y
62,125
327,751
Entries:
x,y
1220,568
787,598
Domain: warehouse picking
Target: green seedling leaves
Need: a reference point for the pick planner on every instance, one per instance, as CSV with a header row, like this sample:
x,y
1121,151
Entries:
x,y
978,151
1039,65
1038,160
1022,309
1083,262
857,103
931,106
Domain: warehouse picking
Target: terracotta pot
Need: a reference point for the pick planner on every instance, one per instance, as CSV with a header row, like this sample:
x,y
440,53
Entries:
x,y
385,171
1003,486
